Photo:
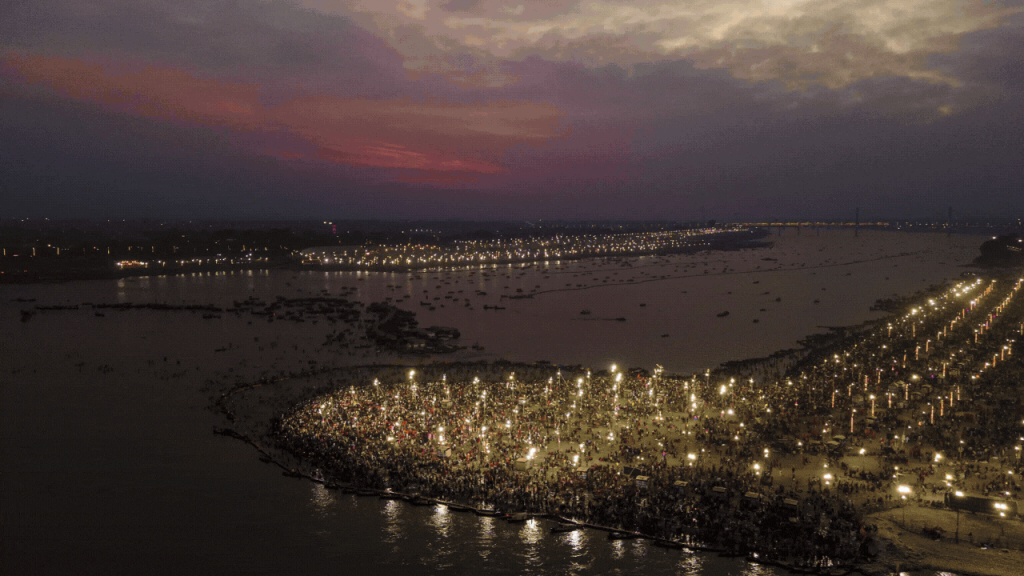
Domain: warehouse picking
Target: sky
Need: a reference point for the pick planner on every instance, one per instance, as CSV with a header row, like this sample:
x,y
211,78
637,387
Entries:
x,y
530,109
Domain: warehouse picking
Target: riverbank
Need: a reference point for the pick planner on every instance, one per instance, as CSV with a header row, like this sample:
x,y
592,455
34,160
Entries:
x,y
982,550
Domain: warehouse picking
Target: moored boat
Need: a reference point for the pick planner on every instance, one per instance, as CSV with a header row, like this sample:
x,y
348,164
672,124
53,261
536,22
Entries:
x,y
564,527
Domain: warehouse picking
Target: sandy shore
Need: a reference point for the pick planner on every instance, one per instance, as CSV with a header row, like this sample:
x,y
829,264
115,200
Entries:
x,y
909,550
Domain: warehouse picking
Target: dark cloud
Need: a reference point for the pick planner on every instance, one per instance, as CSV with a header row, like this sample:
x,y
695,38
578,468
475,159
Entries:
x,y
250,108
286,49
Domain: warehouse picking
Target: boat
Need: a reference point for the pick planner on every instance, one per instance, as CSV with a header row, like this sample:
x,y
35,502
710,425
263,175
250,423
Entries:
x,y
564,527
518,517
723,314
491,512
457,507
617,535
668,544
388,495
292,473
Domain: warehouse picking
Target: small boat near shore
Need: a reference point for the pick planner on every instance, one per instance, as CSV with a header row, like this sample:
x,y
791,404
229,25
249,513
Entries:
x,y
565,527
618,535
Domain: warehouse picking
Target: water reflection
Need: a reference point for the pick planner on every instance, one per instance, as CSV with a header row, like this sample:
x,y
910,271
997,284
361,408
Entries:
x,y
321,499
391,509
576,540
530,534
691,564
486,530
754,569
486,540
441,549
639,548
441,520
618,549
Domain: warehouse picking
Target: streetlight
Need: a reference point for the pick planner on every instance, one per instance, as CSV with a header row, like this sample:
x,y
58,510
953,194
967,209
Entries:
x,y
904,490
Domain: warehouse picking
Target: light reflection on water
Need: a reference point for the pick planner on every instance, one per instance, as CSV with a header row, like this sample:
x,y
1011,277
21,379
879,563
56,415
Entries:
x,y
639,548
530,536
486,530
485,541
577,539
392,511
530,532
441,520
580,558
322,499
618,549
441,550
691,564
754,569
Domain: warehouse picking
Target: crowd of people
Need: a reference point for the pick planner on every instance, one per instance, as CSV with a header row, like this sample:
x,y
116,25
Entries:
x,y
782,457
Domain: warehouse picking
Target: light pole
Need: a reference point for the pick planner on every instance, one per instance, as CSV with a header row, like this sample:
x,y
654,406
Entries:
x,y
957,494
904,490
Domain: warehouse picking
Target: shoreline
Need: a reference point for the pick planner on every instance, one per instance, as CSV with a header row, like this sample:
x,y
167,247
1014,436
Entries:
x,y
724,241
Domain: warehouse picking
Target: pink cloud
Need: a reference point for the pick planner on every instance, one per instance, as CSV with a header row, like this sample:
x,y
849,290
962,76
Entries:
x,y
431,137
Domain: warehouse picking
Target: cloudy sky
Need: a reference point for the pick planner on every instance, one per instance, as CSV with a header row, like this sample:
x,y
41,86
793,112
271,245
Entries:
x,y
668,109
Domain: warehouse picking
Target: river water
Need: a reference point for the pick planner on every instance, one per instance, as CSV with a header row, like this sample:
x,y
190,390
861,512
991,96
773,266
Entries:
x,y
108,465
